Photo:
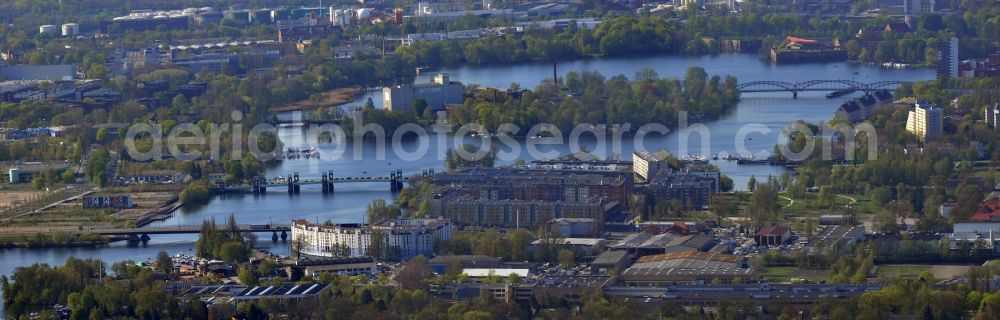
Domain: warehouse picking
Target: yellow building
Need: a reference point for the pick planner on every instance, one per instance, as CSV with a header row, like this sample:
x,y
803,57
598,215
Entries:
x,y
925,120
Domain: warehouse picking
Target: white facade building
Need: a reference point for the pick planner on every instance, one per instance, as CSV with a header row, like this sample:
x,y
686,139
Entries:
x,y
648,164
993,116
412,237
437,93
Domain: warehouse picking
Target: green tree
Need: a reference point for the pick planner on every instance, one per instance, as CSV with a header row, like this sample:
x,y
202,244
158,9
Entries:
x,y
567,258
164,263
414,274
246,276
266,268
38,183
520,239
419,105
68,176
102,134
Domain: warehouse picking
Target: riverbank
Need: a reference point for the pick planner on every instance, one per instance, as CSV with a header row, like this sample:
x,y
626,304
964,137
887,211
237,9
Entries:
x,y
332,98
55,240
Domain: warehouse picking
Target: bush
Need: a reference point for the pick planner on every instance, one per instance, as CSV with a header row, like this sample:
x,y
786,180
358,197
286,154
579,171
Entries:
x,y
196,192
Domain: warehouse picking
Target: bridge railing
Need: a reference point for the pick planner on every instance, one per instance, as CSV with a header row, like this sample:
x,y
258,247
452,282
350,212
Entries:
x,y
816,85
187,229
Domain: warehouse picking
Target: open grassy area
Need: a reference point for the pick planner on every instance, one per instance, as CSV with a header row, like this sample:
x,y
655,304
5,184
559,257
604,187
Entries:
x,y
912,271
807,205
786,274
901,271
987,174
993,263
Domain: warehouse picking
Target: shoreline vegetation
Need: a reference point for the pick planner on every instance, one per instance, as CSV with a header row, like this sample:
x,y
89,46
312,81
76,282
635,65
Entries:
x,y
331,98
55,240
580,98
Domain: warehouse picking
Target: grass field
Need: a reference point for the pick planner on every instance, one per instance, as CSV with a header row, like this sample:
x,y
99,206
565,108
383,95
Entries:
x,y
901,271
807,204
911,271
786,274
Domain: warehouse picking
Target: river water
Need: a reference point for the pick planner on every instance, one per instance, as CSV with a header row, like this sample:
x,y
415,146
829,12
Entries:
x,y
772,111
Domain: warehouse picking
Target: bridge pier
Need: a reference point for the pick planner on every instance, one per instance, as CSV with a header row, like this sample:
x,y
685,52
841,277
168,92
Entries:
x,y
329,181
324,184
274,236
259,185
795,94
144,239
284,235
394,181
293,184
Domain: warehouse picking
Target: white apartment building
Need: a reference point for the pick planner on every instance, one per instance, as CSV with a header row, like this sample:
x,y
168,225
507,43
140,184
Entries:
x,y
412,237
993,116
437,93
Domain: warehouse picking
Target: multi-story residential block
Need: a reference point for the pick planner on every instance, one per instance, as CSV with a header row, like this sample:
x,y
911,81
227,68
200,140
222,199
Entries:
x,y
917,7
402,239
925,120
647,164
693,189
993,116
529,196
437,93
947,59
518,213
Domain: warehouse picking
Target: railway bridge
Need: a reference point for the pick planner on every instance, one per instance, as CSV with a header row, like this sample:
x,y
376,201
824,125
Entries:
x,y
817,85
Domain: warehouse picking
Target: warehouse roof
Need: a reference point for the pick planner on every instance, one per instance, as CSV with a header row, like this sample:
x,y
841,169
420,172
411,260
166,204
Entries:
x,y
688,263
486,272
284,291
610,257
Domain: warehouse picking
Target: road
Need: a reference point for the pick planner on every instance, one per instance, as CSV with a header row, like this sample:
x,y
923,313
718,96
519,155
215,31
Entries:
x,y
849,204
790,201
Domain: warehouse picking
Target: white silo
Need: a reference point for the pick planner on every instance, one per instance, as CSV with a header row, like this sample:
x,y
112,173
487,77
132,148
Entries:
x,y
48,29
70,29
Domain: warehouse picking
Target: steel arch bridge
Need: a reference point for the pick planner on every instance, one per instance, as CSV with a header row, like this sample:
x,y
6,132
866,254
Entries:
x,y
817,85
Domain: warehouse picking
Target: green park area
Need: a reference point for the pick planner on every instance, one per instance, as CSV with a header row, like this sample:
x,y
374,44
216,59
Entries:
x,y
791,274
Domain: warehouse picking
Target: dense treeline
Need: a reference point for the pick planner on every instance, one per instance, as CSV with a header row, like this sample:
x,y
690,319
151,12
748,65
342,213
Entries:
x,y
228,244
622,35
646,99
83,286
636,35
